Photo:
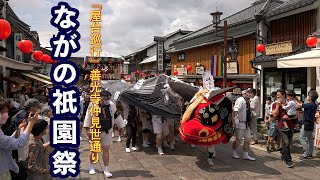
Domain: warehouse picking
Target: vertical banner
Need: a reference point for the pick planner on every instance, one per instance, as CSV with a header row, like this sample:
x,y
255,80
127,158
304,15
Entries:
x,y
64,97
160,53
95,86
318,74
17,53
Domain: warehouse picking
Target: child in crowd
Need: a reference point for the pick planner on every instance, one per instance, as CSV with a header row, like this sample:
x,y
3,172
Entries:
x,y
146,127
272,131
291,108
267,111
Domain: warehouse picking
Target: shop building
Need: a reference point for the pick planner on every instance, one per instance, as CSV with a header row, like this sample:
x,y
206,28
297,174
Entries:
x,y
145,59
203,49
284,31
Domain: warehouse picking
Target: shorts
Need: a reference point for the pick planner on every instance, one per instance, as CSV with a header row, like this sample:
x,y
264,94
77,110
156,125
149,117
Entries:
x,y
160,128
273,129
243,133
106,139
119,122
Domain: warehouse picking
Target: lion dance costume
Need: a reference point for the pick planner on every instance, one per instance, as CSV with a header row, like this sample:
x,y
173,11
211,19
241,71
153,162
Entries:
x,y
208,120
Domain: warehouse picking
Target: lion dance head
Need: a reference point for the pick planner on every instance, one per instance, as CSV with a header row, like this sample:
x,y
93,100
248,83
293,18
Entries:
x,y
208,119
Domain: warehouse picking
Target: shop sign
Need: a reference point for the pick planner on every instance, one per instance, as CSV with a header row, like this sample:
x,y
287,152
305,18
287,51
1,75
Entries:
x,y
160,53
182,71
199,70
232,67
279,48
208,81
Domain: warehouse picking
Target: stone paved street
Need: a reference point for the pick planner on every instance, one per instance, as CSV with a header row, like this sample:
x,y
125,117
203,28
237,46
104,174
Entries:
x,y
190,163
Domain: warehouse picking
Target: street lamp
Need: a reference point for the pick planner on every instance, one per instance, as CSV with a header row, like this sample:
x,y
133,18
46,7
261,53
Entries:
x,y
216,20
233,52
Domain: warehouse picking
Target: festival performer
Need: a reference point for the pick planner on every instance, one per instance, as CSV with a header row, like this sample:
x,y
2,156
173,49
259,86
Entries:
x,y
108,109
208,120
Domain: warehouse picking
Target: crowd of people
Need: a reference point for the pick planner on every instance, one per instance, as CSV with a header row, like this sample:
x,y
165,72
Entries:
x,y
25,140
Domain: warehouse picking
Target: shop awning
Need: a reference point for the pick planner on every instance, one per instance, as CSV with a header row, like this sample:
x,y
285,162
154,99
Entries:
x,y
149,59
42,75
36,77
306,59
16,80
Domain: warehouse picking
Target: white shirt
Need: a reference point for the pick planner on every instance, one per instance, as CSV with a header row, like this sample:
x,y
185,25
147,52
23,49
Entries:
x,y
240,106
255,106
88,118
291,107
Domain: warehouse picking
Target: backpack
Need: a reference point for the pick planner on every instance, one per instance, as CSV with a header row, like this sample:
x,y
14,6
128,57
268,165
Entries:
x,y
248,113
105,118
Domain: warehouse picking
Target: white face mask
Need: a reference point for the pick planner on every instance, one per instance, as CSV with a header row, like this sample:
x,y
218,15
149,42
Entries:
x,y
3,118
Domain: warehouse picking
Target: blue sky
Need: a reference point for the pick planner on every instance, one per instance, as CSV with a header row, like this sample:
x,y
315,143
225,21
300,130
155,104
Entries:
x,y
127,24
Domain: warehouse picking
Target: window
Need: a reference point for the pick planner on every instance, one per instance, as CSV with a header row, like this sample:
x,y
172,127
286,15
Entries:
x,y
181,56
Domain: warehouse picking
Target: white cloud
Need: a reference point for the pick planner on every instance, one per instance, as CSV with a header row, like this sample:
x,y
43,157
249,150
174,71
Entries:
x,y
127,24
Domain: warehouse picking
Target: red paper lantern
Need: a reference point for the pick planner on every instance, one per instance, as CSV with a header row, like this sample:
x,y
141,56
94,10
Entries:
x,y
189,67
260,48
5,29
46,58
142,74
312,41
138,71
175,73
156,75
25,46
37,55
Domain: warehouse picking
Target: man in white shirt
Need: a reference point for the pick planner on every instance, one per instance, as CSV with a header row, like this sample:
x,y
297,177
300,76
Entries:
x,y
106,134
255,109
240,111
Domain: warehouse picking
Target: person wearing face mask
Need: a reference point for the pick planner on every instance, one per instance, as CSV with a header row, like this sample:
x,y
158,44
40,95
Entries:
x,y
7,143
255,109
106,116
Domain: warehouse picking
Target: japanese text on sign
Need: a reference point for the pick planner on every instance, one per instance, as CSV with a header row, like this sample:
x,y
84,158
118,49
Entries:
x,y
95,86
95,35
64,97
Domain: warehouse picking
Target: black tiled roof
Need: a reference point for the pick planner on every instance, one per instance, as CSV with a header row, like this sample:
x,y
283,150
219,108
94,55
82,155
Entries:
x,y
264,58
289,5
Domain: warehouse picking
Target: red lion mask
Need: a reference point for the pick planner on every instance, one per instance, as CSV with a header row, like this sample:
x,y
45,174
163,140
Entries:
x,y
208,121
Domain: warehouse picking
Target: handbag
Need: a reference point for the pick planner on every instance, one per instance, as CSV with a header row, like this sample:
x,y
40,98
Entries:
x,y
23,172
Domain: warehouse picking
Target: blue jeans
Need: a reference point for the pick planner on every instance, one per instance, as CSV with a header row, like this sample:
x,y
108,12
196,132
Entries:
x,y
306,140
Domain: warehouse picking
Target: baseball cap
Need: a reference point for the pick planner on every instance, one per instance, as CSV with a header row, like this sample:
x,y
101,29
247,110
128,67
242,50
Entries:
x,y
105,93
33,103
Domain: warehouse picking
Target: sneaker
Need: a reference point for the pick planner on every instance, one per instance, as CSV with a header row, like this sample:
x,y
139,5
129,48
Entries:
x,y
113,134
107,173
248,158
172,147
128,150
145,145
302,157
285,129
210,162
268,150
235,156
289,164
135,148
160,151
119,139
92,171
165,144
